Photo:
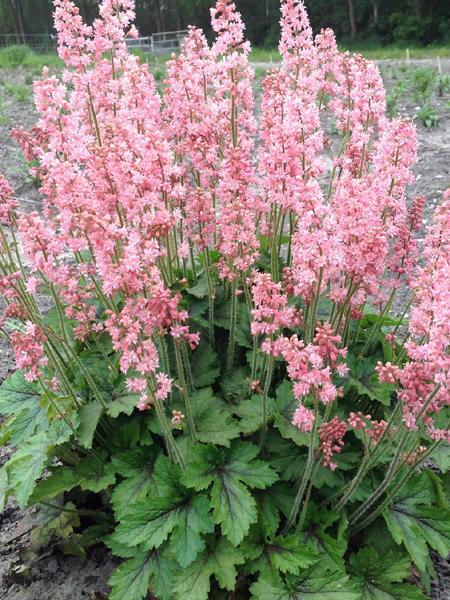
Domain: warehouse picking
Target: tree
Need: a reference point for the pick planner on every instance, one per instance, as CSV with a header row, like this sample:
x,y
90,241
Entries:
x,y
17,15
352,19
376,11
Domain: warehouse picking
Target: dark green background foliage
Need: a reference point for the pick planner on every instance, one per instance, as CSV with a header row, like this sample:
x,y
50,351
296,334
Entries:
x,y
381,21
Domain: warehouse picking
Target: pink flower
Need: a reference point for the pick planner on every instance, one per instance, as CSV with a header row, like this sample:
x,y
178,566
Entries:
x,y
331,440
29,349
7,202
303,418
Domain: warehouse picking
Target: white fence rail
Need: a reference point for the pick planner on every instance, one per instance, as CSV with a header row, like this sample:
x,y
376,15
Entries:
x,y
158,43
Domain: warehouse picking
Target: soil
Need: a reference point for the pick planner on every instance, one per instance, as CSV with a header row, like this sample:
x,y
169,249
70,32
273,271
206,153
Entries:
x,y
59,577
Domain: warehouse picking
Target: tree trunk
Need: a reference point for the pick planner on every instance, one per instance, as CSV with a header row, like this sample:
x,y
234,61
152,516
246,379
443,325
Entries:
x,y
418,9
178,15
158,16
267,8
375,11
352,19
17,14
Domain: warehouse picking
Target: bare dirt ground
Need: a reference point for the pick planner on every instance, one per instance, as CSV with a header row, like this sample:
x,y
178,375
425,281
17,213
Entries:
x,y
59,577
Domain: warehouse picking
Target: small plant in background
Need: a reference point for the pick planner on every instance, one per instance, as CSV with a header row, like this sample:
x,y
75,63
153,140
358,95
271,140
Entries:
x,y
14,56
4,119
19,91
222,392
444,84
428,115
425,83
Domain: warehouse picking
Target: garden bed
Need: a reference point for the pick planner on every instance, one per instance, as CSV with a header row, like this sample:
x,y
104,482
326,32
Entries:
x,y
70,578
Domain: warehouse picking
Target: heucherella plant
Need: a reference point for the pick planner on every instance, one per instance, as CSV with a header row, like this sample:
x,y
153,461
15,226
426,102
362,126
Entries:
x,y
226,391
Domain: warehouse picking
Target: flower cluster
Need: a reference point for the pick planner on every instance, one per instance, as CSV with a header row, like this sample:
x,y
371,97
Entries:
x,y
147,194
331,440
311,366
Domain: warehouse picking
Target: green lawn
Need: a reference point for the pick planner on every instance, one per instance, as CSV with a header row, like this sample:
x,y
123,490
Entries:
x,y
369,51
21,56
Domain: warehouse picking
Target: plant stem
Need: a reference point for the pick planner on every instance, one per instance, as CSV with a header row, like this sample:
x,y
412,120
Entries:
x,y
184,392
306,476
367,462
392,467
172,447
306,502
265,399
379,320
391,495
233,319
210,295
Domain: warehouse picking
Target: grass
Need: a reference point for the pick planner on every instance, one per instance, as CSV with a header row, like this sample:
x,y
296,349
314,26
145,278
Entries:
x,y
371,51
19,91
21,56
4,120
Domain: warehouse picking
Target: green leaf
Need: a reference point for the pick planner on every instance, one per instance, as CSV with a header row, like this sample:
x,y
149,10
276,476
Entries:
x,y
370,319
96,474
167,478
134,461
289,460
234,508
441,456
89,416
373,389
24,424
213,421
163,570
59,432
131,579
235,385
122,402
55,405
243,465
380,577
52,320
149,522
94,366
26,466
417,524
201,471
285,554
186,541
17,394
62,479
243,319
316,585
220,559
288,555
200,290
53,524
205,365
4,488
250,413
284,411
331,548
130,490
